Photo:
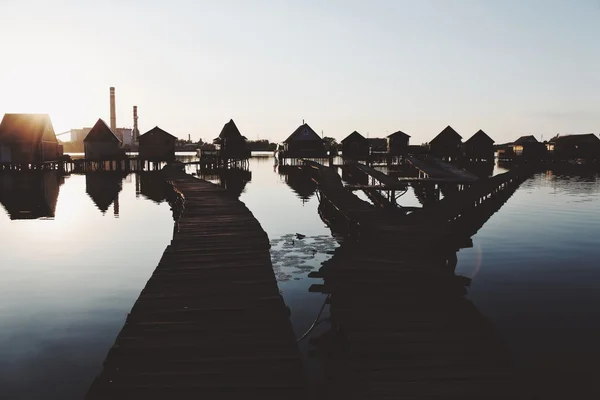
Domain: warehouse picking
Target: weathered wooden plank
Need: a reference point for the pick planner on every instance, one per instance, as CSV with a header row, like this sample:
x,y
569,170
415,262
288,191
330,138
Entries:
x,y
210,322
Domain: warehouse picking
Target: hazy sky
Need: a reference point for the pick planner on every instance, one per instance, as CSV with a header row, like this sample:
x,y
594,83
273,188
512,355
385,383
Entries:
x,y
510,67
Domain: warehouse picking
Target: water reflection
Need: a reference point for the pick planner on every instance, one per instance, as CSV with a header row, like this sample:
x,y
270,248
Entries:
x,y
30,194
103,188
232,179
299,180
151,185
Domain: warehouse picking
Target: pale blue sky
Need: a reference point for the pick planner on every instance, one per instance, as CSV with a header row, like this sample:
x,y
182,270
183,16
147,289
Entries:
x,y
508,67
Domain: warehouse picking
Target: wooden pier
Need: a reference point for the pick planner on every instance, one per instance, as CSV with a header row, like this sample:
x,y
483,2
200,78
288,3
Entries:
x,y
210,322
430,167
401,325
425,226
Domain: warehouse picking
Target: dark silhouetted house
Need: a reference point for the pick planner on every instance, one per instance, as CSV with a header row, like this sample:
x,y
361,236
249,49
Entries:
x,y
397,143
101,143
304,142
355,146
103,188
446,145
28,139
377,145
231,144
30,194
572,147
157,145
479,147
528,147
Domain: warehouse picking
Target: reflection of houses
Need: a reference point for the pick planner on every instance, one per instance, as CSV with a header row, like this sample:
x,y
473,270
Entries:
x,y
300,181
103,188
571,147
30,194
397,143
157,145
446,145
231,144
355,146
151,185
479,147
304,142
101,143
232,179
28,139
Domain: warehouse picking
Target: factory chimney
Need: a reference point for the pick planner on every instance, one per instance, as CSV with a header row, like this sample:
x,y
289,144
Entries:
x,y
136,132
113,115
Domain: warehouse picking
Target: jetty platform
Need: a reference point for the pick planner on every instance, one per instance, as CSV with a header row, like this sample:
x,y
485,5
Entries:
x,y
210,322
433,168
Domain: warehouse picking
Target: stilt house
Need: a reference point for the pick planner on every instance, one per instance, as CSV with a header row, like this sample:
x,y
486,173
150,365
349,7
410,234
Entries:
x,y
446,145
28,139
157,145
102,144
355,146
479,147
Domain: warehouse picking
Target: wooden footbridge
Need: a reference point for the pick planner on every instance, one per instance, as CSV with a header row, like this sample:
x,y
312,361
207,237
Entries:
x,y
428,225
401,326
210,322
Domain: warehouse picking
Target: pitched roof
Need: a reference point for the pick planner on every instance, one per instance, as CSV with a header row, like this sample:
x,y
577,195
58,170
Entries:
x,y
354,136
480,135
575,138
229,131
448,132
303,132
399,133
156,131
526,139
31,128
101,133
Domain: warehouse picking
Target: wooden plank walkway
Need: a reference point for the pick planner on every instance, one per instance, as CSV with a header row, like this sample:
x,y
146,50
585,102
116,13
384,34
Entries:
x,y
210,322
432,167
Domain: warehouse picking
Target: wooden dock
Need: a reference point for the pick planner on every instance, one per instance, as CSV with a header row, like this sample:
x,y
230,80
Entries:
x,y
401,325
426,226
434,168
210,323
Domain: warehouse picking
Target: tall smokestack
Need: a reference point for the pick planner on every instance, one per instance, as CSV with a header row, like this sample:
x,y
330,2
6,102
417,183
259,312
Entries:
x,y
113,114
136,132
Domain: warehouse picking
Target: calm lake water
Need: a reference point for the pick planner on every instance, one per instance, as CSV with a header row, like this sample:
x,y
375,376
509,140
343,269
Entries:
x,y
76,251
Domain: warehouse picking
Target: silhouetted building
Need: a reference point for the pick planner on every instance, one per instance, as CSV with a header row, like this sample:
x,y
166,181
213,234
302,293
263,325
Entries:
x,y
397,143
479,147
30,194
101,143
231,144
377,145
28,139
355,146
103,188
571,147
304,142
529,148
446,145
157,145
